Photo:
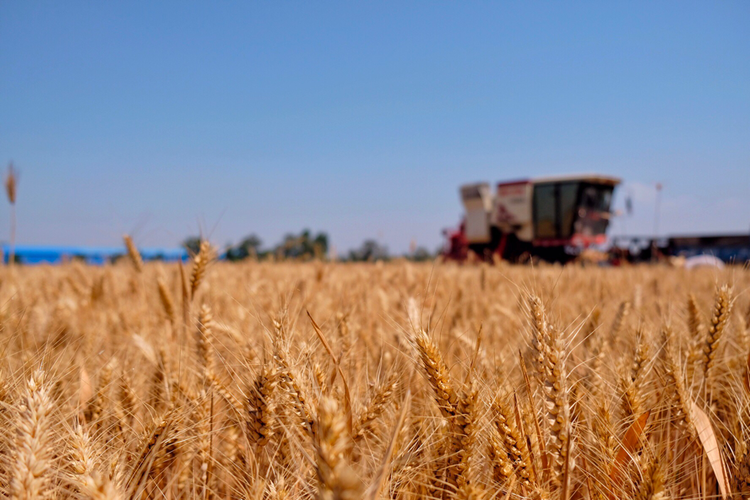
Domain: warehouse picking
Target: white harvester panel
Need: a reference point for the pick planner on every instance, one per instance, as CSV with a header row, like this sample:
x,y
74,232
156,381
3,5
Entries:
x,y
512,210
477,200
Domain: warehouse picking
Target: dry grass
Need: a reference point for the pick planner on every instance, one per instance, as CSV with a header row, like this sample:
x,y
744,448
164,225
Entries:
x,y
412,381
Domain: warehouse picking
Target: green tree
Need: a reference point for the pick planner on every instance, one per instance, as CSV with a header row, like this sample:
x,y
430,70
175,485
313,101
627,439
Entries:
x,y
248,247
192,244
421,254
303,246
370,250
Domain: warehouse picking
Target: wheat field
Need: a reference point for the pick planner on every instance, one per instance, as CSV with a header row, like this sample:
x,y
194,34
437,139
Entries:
x,y
399,380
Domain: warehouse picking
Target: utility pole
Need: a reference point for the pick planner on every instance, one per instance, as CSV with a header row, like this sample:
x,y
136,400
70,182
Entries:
x,y
657,210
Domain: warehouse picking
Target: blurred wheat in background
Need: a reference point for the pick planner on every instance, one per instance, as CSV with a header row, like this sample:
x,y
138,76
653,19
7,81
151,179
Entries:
x,y
399,380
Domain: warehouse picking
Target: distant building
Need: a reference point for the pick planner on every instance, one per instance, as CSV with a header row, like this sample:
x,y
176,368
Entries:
x,y
39,254
727,247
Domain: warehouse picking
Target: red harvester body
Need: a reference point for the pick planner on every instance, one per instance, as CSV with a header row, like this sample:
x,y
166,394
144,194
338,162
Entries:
x,y
552,218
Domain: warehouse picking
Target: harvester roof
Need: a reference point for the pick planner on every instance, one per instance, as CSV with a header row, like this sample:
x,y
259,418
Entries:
x,y
593,178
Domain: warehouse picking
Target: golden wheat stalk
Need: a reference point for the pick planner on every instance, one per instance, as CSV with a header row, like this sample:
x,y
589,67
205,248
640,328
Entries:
x,y
719,319
165,297
336,479
200,263
33,454
551,354
86,476
133,253
11,187
203,334
259,406
374,408
675,384
458,408
513,441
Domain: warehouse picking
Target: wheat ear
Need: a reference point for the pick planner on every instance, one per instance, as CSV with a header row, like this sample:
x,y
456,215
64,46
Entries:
x,y
514,442
151,444
31,466
719,319
375,407
204,457
458,408
631,382
437,374
85,475
166,300
133,253
651,486
200,263
623,311
675,383
502,465
694,322
289,380
203,334
741,477
336,479
553,377
259,408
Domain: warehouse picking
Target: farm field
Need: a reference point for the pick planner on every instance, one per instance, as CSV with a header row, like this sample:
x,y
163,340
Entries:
x,y
396,380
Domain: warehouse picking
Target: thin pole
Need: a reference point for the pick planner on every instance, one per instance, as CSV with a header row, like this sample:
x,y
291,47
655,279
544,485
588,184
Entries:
x,y
657,209
11,180
12,256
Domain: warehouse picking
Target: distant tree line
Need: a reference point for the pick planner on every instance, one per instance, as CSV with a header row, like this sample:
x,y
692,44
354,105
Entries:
x,y
372,250
302,246
305,246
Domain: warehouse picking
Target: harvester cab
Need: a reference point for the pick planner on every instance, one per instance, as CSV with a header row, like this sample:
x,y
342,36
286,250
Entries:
x,y
552,218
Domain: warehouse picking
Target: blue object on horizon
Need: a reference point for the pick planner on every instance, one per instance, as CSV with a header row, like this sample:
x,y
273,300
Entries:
x,y
37,254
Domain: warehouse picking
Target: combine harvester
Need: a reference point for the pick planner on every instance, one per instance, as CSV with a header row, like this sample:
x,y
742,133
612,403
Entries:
x,y
551,218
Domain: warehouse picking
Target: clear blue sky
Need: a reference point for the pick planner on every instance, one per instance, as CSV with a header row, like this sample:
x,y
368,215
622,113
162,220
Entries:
x,y
362,119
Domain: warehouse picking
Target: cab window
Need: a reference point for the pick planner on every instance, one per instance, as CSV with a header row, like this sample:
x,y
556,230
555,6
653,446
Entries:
x,y
567,197
545,213
596,198
555,208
